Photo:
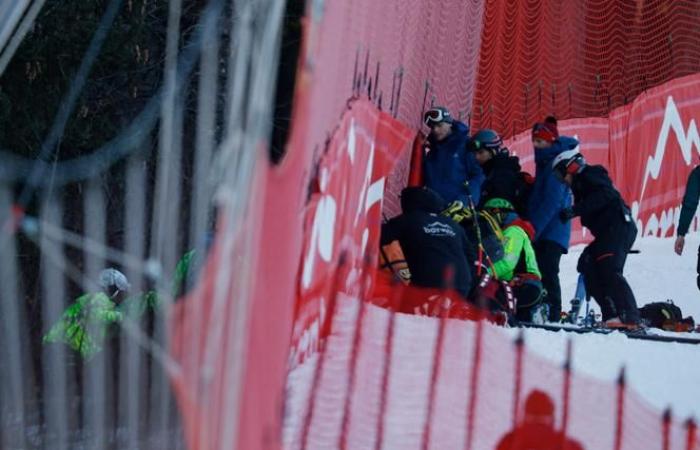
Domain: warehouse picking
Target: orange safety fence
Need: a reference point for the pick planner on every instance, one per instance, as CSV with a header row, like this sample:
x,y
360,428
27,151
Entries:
x,y
388,378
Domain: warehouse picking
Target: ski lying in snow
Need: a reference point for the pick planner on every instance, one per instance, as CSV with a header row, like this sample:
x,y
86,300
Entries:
x,y
649,334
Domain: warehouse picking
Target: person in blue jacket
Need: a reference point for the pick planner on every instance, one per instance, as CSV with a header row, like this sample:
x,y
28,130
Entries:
x,y
448,164
547,198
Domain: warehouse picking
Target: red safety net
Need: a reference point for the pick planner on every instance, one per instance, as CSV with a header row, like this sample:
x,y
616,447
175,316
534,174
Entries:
x,y
409,368
403,54
578,58
398,379
386,379
649,148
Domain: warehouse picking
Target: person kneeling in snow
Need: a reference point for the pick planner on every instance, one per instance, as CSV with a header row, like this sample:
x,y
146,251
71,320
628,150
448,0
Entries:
x,y
609,219
432,244
518,266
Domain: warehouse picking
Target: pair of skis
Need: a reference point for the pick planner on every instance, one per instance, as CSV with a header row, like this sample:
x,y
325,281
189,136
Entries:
x,y
578,322
640,333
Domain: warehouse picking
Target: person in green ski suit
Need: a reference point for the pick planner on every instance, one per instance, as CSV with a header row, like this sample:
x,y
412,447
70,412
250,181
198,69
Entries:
x,y
85,324
690,205
518,267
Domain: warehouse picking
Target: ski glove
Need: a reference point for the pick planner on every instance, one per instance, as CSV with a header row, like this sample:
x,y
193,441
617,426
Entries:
x,y
566,214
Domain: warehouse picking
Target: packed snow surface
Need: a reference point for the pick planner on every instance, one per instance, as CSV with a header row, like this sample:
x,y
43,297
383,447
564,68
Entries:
x,y
664,374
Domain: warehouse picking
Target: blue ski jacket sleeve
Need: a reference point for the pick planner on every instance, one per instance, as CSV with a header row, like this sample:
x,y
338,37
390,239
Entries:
x,y
549,196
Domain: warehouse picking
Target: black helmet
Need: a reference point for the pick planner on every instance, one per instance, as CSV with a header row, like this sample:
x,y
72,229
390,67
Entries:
x,y
422,199
486,139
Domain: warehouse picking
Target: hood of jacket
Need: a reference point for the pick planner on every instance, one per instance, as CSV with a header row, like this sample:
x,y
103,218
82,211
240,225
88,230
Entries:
x,y
502,161
513,220
421,199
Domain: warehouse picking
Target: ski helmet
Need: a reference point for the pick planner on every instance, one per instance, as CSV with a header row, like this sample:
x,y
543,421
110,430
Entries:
x,y
486,139
499,203
570,161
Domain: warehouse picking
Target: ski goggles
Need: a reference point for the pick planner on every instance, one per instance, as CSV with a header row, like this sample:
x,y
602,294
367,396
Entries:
x,y
571,167
435,116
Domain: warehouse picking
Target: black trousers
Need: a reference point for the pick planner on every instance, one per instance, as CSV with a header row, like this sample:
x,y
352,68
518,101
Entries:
x,y
548,255
698,269
602,263
529,296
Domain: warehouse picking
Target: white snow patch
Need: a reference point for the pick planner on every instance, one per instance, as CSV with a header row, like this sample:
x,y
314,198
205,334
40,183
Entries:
x,y
664,374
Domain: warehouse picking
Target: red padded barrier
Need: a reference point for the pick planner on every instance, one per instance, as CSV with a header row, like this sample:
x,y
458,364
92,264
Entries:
x,y
649,148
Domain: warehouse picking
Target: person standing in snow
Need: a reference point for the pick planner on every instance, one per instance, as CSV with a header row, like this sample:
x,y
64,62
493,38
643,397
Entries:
x,y
547,198
504,178
518,267
609,219
432,244
448,168
690,205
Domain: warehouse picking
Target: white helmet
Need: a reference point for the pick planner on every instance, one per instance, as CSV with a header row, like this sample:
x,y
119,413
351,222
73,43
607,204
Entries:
x,y
569,161
111,278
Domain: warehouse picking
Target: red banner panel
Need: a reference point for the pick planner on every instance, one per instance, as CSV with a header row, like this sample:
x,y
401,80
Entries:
x,y
649,147
343,218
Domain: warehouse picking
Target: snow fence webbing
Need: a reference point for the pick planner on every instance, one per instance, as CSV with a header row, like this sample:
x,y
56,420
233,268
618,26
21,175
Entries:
x,y
402,56
578,58
406,54
388,380
462,395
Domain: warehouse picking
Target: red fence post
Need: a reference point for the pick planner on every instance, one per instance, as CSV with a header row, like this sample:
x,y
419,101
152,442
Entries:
x,y
620,405
473,383
394,306
518,382
566,392
666,428
691,436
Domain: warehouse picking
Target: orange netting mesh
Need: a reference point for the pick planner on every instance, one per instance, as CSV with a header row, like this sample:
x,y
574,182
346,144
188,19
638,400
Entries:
x,y
402,54
578,59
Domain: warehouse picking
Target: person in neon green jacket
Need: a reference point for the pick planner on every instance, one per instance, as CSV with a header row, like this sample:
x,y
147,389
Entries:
x,y
85,324
518,267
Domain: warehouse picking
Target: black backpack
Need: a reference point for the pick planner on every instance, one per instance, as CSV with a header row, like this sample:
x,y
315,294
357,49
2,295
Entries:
x,y
665,315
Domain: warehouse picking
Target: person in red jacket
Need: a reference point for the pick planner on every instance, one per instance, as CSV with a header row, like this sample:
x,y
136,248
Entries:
x,y
535,430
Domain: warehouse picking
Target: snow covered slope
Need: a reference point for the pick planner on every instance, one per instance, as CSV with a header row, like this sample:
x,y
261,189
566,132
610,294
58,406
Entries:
x,y
349,406
662,373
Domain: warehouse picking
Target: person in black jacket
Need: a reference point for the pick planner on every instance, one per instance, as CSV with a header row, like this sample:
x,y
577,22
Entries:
x,y
690,205
504,177
433,245
606,215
